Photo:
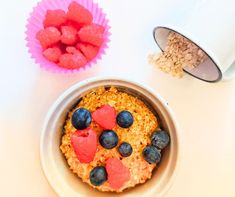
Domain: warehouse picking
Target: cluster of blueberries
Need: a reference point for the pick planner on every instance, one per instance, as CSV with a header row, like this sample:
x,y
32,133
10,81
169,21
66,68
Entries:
x,y
108,139
159,140
81,119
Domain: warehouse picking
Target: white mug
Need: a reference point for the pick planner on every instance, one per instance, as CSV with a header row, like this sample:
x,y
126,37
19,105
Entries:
x,y
211,26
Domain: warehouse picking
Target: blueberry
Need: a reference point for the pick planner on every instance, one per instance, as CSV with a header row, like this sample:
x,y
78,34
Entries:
x,y
81,118
125,149
98,175
160,139
151,154
108,139
124,119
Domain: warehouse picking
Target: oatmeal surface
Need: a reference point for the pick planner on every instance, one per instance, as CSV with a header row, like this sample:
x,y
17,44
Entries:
x,y
138,135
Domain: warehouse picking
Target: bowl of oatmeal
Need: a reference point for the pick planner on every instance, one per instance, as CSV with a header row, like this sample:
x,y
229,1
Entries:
x,y
109,136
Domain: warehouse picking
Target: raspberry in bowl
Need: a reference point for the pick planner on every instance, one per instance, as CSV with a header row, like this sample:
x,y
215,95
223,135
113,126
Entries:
x,y
115,135
66,36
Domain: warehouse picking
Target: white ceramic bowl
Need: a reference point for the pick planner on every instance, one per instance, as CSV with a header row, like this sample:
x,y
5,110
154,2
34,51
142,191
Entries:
x,y
55,167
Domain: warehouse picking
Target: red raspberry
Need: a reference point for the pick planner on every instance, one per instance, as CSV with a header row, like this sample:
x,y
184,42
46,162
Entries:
x,y
48,37
73,24
105,116
79,14
66,61
69,35
71,50
55,18
118,174
72,61
98,28
84,143
52,54
92,34
88,50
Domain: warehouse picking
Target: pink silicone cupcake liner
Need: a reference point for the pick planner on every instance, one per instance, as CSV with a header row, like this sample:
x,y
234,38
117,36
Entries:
x,y
35,23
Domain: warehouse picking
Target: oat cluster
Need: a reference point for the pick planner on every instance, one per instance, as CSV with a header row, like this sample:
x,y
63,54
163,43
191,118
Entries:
x,y
179,53
138,135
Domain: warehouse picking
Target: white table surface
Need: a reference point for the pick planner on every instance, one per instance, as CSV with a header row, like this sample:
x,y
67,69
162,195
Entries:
x,y
205,112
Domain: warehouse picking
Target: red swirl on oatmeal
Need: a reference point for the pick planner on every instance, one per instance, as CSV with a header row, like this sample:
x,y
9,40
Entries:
x,y
112,140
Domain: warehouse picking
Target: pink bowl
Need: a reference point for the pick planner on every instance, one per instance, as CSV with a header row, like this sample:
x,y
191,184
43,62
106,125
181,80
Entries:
x,y
35,23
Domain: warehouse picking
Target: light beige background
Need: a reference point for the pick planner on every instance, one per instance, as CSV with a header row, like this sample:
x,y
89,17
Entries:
x,y
205,112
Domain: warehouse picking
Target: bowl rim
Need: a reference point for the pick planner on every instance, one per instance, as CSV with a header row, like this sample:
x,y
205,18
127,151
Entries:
x,y
75,86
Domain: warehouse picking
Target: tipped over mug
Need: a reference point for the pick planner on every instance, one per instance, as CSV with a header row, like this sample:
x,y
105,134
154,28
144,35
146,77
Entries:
x,y
211,26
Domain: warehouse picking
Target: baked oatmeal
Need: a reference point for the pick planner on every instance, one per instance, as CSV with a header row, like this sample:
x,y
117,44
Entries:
x,y
121,149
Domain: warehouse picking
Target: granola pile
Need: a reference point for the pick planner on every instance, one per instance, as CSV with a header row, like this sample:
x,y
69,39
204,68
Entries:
x,y
178,54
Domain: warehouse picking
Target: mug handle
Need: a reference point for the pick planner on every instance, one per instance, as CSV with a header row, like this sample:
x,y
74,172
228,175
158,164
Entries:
x,y
230,72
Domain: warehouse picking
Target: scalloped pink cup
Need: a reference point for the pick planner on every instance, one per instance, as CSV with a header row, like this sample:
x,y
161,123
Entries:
x,y
35,23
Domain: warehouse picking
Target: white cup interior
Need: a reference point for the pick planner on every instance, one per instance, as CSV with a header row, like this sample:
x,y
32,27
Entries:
x,y
55,167
207,71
